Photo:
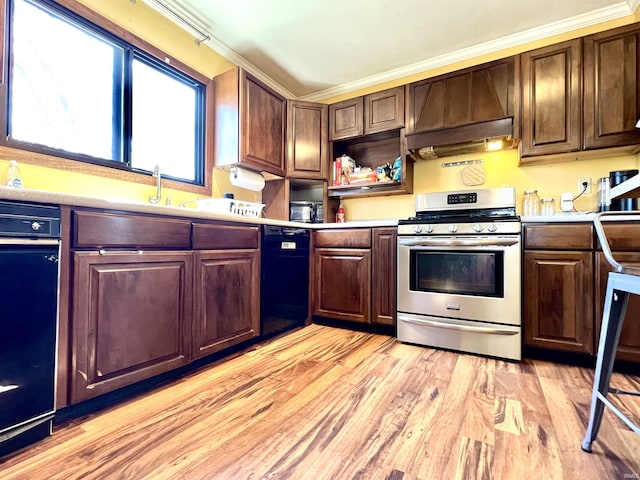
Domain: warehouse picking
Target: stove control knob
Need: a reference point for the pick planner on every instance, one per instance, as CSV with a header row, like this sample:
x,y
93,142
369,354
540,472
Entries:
x,y
492,227
453,228
417,228
478,228
428,228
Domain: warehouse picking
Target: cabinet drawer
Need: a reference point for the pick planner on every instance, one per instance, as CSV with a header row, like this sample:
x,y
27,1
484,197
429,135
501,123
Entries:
x,y
217,237
622,237
559,236
97,229
348,238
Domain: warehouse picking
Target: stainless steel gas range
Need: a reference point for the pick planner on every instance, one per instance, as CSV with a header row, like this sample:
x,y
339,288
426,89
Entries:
x,y
459,273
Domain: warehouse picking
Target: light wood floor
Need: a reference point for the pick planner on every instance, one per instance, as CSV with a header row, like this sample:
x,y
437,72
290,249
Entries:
x,y
327,403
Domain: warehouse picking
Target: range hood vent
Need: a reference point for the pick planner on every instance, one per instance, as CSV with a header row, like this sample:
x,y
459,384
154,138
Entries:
x,y
472,138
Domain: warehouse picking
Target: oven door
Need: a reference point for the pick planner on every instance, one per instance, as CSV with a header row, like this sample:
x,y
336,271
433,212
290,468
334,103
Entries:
x,y
468,278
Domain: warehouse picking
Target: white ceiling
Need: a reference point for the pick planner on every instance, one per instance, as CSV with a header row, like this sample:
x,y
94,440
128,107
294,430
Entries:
x,y
321,48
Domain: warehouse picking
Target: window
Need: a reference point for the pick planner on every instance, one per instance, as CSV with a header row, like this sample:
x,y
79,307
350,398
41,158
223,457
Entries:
x,y
75,90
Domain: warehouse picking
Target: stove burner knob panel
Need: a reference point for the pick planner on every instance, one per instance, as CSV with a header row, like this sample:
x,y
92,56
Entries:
x,y
453,228
492,227
478,228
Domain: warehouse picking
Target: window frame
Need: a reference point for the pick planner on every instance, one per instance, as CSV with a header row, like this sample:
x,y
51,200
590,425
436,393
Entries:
x,y
28,153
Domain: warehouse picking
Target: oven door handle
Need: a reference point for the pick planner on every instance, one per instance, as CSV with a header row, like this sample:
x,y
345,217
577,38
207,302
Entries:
x,y
458,242
463,328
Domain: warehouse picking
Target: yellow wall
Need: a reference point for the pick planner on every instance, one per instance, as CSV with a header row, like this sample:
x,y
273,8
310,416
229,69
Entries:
x,y
488,57
501,169
152,27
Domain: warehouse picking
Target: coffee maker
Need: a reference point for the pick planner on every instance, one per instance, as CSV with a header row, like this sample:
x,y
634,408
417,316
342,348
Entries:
x,y
622,204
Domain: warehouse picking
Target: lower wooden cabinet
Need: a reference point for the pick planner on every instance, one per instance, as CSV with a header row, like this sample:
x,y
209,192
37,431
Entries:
x,y
342,283
558,293
629,346
565,280
354,275
227,299
383,276
131,318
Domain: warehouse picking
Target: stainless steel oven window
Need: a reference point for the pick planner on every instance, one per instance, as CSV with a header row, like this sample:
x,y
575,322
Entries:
x,y
476,273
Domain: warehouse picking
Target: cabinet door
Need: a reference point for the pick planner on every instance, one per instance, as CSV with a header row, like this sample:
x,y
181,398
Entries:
x,y
227,299
307,143
346,119
384,110
383,281
629,345
551,99
263,126
131,318
611,88
342,284
558,300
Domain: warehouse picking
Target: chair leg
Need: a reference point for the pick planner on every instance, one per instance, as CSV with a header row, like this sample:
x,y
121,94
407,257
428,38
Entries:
x,y
615,306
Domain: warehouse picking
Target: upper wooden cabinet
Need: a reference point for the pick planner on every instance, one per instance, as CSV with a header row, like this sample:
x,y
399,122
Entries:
x,y
250,123
374,113
346,119
384,110
612,88
582,94
479,94
551,99
307,142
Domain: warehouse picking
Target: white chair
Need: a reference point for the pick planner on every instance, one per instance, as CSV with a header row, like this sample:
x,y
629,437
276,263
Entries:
x,y
622,282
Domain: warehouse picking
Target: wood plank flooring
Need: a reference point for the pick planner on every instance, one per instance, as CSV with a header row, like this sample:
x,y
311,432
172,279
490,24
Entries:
x,y
328,403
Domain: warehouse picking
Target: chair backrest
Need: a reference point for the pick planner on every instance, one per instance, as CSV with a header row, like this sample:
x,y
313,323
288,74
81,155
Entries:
x,y
604,242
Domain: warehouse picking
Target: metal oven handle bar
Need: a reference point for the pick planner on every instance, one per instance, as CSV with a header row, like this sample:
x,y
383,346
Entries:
x,y
27,241
458,242
450,326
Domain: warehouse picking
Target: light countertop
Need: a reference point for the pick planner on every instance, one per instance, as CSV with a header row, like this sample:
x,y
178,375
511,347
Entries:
x,y
55,198
559,217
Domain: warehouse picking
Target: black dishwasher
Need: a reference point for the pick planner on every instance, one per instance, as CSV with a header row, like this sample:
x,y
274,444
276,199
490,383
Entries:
x,y
29,266
284,286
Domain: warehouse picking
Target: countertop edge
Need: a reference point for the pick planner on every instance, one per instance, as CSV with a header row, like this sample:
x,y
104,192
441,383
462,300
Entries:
x,y
75,200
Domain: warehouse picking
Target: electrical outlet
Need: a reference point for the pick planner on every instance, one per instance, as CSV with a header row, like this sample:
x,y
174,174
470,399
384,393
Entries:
x,y
581,183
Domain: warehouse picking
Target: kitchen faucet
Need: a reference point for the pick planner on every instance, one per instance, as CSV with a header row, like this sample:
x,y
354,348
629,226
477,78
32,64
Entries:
x,y
158,196
184,203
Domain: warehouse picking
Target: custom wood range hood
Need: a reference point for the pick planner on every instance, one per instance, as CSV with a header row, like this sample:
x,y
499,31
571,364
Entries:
x,y
474,138
467,111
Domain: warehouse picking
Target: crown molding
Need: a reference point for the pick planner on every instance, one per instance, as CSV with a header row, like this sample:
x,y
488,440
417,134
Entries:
x,y
574,23
188,20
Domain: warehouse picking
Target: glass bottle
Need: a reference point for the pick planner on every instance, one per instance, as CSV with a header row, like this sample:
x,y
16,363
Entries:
x,y
530,203
547,206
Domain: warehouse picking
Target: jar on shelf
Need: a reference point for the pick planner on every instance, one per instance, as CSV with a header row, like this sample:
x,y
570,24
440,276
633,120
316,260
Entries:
x,y
530,203
547,206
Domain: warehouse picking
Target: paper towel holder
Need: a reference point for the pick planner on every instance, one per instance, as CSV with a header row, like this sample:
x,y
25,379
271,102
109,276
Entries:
x,y
243,178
